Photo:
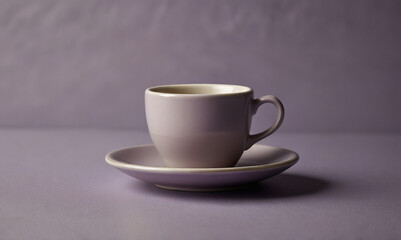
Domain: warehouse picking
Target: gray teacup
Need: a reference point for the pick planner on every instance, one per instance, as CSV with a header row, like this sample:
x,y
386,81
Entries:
x,y
204,125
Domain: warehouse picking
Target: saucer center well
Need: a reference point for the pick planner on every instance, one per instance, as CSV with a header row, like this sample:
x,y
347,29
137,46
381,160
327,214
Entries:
x,y
262,155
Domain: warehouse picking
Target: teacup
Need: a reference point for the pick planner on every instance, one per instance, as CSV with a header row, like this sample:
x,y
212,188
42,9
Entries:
x,y
204,125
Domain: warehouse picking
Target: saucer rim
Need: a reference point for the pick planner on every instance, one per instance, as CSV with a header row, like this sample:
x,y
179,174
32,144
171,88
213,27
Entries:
x,y
122,165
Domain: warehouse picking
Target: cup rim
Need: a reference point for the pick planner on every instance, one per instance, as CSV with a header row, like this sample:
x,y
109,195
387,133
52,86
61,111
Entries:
x,y
243,90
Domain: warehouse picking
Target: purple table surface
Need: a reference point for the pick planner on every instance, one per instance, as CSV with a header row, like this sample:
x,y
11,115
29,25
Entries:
x,y
55,184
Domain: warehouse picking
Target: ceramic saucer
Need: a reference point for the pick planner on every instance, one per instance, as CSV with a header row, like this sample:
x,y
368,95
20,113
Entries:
x,y
257,163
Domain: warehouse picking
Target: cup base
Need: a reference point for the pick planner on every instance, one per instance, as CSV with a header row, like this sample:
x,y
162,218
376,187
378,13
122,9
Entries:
x,y
205,150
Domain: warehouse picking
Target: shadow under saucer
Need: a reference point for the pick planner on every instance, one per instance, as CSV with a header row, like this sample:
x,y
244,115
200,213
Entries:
x,y
284,185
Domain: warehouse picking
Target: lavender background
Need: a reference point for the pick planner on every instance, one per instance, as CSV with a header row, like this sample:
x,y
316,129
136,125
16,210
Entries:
x,y
336,65
85,64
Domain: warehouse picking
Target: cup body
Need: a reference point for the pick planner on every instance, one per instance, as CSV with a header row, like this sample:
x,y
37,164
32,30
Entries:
x,y
199,125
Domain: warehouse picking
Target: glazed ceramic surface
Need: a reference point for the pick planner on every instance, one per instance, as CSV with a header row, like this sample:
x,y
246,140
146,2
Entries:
x,y
258,163
204,125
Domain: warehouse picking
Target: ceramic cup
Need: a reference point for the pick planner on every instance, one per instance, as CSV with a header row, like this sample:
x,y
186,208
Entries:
x,y
204,125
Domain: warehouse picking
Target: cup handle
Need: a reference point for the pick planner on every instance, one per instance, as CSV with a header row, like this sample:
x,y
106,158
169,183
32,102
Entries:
x,y
255,104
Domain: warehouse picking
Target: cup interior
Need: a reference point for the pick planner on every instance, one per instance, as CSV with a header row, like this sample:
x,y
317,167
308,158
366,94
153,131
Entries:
x,y
200,89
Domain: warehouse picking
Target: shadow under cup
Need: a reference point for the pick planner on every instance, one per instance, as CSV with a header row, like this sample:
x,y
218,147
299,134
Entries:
x,y
199,125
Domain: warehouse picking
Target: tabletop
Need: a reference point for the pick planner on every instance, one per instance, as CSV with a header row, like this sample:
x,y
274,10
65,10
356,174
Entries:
x,y
55,184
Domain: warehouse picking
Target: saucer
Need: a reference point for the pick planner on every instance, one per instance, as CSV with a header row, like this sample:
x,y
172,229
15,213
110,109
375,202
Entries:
x,y
256,164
